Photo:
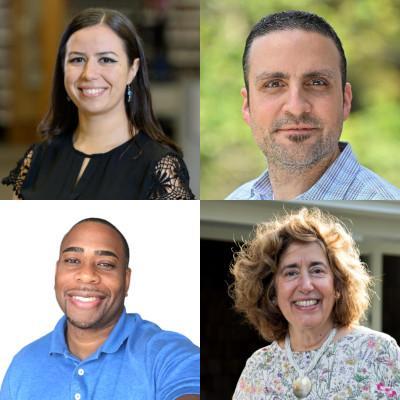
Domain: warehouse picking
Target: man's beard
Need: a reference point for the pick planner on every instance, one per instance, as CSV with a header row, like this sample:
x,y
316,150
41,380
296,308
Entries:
x,y
84,325
300,155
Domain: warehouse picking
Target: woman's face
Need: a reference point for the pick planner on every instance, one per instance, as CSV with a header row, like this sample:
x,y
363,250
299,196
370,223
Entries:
x,y
305,287
96,71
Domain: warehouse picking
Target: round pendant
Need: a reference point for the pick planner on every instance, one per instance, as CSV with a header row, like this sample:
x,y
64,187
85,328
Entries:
x,y
301,387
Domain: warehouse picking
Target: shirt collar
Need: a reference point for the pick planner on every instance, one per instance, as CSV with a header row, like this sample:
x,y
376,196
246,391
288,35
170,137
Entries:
x,y
333,184
120,332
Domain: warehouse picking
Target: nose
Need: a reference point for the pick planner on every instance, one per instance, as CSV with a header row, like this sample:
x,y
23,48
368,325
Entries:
x,y
87,274
90,71
296,102
305,283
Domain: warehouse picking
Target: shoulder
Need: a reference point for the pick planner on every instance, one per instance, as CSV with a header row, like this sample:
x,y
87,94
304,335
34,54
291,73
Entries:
x,y
372,187
363,339
148,335
363,333
243,192
263,357
32,355
152,149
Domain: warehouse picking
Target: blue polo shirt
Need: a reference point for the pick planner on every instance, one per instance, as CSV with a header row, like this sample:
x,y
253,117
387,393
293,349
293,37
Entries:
x,y
137,361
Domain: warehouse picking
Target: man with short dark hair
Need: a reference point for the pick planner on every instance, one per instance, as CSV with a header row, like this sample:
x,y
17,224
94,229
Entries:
x,y
295,100
98,351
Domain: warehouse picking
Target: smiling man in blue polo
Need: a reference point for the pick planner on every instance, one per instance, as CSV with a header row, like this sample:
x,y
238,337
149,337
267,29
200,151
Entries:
x,y
97,351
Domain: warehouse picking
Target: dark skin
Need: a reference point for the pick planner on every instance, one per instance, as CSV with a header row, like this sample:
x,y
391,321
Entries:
x,y
91,283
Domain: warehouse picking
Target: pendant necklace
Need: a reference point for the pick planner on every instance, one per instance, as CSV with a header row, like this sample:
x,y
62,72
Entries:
x,y
302,385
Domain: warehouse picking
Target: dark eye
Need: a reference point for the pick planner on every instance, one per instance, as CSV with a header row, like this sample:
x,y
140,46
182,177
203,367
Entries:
x,y
317,270
318,82
71,261
291,273
76,60
105,265
107,60
274,84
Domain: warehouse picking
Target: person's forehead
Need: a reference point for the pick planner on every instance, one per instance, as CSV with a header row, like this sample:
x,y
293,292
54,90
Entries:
x,y
303,250
95,38
93,235
293,52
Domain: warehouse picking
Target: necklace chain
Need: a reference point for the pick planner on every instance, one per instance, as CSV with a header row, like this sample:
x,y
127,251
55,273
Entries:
x,y
316,358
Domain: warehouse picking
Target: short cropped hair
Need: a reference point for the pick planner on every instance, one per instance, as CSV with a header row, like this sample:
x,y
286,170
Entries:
x,y
110,225
255,265
289,20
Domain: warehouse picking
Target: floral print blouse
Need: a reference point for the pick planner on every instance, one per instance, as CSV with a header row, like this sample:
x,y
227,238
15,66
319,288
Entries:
x,y
364,364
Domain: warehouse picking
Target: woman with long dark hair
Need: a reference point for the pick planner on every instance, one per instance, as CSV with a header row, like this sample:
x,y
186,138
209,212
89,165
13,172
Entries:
x,y
101,138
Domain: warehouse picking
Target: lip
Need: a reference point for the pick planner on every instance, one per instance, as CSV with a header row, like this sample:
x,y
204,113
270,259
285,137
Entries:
x,y
86,91
94,298
306,308
297,129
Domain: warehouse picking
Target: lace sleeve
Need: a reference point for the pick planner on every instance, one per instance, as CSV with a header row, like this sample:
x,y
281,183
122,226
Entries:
x,y
17,176
170,180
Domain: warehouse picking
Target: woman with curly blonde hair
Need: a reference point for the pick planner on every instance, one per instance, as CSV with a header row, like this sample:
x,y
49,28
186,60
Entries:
x,y
301,284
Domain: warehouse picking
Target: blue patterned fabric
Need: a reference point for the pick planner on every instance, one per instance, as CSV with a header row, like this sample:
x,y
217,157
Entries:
x,y
345,179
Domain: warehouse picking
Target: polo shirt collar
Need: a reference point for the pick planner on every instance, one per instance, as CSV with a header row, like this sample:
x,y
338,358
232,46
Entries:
x,y
333,183
118,335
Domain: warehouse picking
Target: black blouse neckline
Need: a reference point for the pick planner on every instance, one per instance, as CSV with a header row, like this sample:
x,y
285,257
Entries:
x,y
107,153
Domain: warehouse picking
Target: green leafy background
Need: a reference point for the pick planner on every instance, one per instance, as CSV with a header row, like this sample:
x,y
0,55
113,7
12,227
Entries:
x,y
370,33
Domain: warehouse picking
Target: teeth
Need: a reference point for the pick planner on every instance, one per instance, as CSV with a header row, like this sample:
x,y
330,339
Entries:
x,y
306,303
85,299
92,92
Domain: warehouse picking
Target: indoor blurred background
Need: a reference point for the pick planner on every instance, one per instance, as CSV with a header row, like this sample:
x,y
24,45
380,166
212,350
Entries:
x,y
369,31
29,35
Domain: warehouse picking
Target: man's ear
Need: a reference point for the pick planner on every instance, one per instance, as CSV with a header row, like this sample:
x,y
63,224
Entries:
x,y
245,106
128,273
347,97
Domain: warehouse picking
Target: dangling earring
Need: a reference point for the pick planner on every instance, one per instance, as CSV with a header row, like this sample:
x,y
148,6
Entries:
x,y
68,99
129,93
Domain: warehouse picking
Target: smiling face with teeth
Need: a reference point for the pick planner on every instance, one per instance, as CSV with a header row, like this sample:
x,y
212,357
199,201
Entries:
x,y
92,278
304,286
96,71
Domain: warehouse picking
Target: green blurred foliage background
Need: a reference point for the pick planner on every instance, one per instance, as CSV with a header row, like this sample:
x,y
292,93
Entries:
x,y
370,33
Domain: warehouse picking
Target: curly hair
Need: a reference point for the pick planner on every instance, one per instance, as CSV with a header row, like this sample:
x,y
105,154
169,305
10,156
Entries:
x,y
256,263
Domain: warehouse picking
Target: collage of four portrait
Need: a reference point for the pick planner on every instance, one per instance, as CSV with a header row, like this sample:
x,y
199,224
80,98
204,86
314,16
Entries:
x,y
279,277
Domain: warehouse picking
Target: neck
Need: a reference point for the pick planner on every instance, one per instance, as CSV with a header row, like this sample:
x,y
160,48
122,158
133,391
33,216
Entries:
x,y
100,133
83,342
287,184
308,339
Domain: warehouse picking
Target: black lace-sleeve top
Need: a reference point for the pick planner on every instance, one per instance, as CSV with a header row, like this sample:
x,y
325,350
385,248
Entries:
x,y
138,169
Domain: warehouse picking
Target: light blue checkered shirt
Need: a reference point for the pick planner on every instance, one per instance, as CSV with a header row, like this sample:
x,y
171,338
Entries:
x,y
345,179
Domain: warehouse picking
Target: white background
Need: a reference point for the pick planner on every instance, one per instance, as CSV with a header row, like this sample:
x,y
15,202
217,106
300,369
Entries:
x,y
164,240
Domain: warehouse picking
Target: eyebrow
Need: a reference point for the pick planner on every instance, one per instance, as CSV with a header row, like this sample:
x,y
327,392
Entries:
x,y
74,249
295,265
328,73
101,53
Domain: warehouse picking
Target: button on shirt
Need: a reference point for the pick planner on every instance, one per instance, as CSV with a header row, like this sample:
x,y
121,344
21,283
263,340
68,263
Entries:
x,y
345,179
138,361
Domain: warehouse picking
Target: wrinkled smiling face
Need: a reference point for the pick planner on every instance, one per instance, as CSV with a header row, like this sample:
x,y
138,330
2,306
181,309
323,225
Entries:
x,y
305,286
295,105
91,276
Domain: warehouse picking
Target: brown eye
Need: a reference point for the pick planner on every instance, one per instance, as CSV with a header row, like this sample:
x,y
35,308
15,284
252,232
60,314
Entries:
x,y
318,82
105,265
273,84
71,261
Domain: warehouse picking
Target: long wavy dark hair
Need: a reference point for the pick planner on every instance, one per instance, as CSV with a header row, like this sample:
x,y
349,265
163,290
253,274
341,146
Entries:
x,y
62,116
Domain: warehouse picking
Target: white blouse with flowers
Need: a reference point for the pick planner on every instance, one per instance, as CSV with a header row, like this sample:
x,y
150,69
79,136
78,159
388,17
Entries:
x,y
364,364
